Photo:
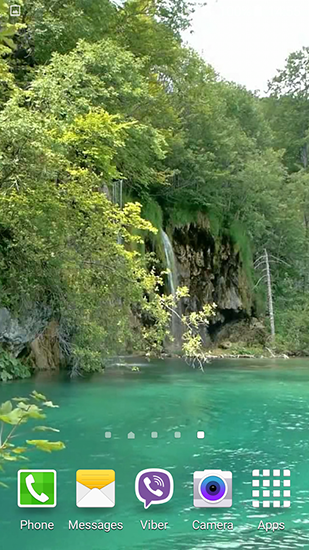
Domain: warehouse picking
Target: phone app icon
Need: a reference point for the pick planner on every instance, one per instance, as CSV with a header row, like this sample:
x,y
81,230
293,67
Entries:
x,y
154,486
95,488
212,489
37,488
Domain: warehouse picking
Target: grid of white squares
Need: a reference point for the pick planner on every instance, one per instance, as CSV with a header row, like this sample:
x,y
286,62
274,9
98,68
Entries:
x,y
266,485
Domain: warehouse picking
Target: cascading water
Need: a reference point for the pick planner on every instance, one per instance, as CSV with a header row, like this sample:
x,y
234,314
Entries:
x,y
176,325
171,263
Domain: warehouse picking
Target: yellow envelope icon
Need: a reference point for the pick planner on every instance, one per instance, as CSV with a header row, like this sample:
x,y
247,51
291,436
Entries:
x,y
95,488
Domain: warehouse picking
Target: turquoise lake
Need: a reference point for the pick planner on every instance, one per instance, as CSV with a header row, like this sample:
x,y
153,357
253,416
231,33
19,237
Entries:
x,y
255,415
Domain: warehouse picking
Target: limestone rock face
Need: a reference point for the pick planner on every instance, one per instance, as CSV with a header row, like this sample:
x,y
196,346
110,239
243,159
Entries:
x,y
213,271
45,349
16,334
33,333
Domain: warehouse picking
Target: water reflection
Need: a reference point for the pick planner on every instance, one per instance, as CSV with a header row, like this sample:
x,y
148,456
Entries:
x,y
255,415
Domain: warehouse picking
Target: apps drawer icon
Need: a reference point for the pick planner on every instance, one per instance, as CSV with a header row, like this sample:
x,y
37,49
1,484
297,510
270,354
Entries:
x,y
95,488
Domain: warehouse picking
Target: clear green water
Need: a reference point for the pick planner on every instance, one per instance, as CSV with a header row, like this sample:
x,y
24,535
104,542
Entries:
x,y
255,415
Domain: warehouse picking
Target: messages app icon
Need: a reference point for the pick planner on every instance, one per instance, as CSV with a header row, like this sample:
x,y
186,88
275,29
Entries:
x,y
95,488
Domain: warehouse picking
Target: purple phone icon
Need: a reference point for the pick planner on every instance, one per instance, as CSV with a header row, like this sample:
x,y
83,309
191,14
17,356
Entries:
x,y
154,486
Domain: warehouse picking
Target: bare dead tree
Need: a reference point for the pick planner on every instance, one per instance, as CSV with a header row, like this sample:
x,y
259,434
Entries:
x,y
263,264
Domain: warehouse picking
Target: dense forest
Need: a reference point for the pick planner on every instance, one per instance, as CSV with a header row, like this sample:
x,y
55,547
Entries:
x,y
112,130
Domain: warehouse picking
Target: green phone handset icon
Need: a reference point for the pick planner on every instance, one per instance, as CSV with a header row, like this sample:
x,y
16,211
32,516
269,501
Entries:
x,y
29,482
37,488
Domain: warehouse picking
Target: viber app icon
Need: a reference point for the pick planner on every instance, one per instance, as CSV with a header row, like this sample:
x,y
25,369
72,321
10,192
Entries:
x,y
154,486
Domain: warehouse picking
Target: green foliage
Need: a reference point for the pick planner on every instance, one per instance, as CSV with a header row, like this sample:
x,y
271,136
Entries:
x,y
292,325
17,412
79,91
60,233
243,349
57,26
180,215
93,93
54,234
11,368
242,244
152,212
192,347
149,28
99,75
215,218
7,31
288,109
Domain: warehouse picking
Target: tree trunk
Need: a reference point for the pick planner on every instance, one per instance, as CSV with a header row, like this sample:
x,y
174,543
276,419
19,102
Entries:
x,y
270,298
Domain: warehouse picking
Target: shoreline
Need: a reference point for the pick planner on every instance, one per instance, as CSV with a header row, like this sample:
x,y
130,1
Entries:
x,y
134,364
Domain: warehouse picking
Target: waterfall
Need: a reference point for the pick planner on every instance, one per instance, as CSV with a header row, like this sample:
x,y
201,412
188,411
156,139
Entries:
x,y
171,263
176,325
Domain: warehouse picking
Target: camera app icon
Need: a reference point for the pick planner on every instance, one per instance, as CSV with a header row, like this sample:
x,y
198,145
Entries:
x,y
212,489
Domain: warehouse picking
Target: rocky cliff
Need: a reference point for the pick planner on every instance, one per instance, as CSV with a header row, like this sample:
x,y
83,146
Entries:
x,y
213,270
33,336
210,266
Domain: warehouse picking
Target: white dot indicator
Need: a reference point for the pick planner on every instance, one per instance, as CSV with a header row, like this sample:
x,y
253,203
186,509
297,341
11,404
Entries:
x,y
200,435
177,435
154,435
108,435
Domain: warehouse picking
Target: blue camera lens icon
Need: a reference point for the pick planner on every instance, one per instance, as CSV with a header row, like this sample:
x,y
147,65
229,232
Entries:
x,y
212,489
